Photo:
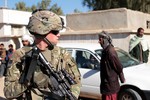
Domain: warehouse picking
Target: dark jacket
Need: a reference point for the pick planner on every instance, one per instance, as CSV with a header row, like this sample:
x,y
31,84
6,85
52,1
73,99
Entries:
x,y
110,69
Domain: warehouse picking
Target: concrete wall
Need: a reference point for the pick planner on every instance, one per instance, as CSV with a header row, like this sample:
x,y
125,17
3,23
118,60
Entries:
x,y
118,19
14,17
105,19
138,19
119,39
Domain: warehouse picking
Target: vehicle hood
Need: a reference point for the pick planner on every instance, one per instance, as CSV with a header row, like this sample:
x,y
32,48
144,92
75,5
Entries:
x,y
138,76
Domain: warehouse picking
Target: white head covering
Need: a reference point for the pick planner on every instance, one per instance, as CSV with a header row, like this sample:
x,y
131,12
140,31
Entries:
x,y
136,40
28,38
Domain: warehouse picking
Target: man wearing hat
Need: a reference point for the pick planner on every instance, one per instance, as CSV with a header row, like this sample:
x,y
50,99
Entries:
x,y
27,40
45,26
111,68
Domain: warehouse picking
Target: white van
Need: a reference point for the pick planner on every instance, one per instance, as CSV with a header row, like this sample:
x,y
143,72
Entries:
x,y
136,86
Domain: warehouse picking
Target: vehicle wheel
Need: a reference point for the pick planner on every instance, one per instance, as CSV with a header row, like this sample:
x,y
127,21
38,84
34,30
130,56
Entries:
x,y
128,94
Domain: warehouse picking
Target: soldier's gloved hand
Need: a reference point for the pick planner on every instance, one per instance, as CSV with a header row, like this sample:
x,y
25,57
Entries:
x,y
41,80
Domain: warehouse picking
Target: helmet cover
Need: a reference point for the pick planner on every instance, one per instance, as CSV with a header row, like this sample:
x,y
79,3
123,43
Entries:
x,y
42,22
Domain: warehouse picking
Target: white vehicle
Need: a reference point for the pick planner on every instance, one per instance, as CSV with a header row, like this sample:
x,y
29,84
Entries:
x,y
136,86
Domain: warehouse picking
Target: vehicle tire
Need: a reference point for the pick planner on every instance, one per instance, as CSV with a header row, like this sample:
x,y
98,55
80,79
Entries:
x,y
129,94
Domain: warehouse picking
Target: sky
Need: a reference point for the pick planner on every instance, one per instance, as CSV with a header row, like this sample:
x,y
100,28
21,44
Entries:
x,y
67,6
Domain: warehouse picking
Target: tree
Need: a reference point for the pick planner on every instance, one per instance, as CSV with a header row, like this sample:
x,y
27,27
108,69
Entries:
x,y
21,6
33,7
56,9
77,11
44,4
139,5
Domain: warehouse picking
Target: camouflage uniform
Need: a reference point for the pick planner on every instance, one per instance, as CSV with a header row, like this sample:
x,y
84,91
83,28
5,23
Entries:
x,y
14,89
58,57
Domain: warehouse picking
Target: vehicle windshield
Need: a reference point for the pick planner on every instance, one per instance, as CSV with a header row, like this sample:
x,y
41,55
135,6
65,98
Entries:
x,y
125,58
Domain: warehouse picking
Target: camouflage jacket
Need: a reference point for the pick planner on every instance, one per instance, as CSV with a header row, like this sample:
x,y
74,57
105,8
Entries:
x,y
12,87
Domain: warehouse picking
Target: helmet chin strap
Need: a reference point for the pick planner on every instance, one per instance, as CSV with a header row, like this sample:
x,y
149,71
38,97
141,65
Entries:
x,y
50,45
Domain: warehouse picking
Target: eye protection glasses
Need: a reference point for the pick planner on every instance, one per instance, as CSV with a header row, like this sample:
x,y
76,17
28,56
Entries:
x,y
55,32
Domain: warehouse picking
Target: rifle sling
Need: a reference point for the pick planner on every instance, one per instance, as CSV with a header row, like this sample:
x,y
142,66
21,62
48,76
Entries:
x,y
31,69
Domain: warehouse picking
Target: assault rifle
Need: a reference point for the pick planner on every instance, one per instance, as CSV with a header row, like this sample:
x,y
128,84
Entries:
x,y
61,80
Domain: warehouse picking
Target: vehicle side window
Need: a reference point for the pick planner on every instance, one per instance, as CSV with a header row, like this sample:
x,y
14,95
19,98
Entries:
x,y
80,59
85,59
70,51
126,60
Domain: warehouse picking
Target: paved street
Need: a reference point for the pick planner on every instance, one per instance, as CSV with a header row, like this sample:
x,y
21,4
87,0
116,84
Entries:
x,y
1,89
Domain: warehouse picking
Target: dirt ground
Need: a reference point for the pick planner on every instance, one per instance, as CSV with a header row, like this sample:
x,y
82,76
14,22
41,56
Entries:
x,y
2,97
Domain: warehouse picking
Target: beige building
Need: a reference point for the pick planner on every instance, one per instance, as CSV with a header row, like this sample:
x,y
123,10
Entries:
x,y
13,26
121,23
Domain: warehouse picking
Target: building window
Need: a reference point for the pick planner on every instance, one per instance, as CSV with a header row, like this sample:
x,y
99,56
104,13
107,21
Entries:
x,y
148,24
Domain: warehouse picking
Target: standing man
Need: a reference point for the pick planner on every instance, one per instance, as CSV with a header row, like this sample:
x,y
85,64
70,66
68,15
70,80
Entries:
x,y
29,62
9,53
2,51
111,68
2,59
139,47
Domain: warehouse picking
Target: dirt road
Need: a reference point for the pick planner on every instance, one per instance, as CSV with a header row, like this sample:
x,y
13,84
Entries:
x,y
1,89
2,97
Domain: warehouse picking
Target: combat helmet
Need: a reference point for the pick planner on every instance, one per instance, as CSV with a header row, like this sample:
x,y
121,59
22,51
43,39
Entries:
x,y
43,21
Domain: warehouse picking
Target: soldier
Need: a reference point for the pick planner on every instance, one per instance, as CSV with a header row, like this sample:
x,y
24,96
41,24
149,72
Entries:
x,y
45,26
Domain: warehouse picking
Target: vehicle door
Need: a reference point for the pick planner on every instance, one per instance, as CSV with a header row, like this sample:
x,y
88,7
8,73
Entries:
x,y
90,75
